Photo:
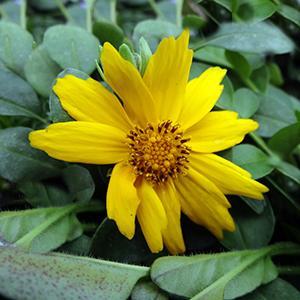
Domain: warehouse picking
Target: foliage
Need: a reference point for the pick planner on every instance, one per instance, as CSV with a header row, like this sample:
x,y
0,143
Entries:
x,y
48,205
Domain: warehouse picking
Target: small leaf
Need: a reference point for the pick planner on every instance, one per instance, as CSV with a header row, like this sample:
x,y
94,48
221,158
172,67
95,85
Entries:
x,y
251,159
285,140
276,111
57,113
44,195
64,276
254,38
15,46
289,170
153,31
40,229
245,102
252,230
108,243
146,290
72,47
108,32
79,182
41,70
19,161
290,13
278,289
17,98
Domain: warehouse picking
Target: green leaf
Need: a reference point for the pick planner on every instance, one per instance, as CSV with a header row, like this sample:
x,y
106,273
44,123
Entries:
x,y
72,47
276,77
278,289
276,111
251,159
77,15
285,140
245,102
45,4
153,31
127,54
257,206
213,55
288,170
260,78
214,276
17,98
252,230
60,275
290,13
145,54
80,246
193,21
19,161
41,70
253,38
10,11
39,194
15,46
79,182
146,290
255,10
40,229
57,113
108,243
108,32
226,99
239,63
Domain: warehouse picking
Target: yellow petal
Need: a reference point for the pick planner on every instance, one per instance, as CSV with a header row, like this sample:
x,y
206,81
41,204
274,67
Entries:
x,y
88,100
151,216
172,235
228,177
204,203
202,93
167,74
218,131
83,142
122,199
127,82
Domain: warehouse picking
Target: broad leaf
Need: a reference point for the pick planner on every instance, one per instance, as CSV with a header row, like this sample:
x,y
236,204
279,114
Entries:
x,y
72,47
15,46
250,158
40,229
64,276
253,38
41,70
19,161
17,98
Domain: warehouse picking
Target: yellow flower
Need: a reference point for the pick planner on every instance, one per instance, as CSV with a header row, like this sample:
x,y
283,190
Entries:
x,y
161,140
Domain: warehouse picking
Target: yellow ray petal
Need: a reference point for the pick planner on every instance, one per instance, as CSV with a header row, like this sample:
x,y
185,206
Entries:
x,y
228,177
127,82
83,142
122,199
88,100
218,131
167,74
204,203
172,235
202,93
151,216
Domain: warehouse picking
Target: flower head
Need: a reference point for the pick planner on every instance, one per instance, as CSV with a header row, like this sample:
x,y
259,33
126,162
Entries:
x,y
161,138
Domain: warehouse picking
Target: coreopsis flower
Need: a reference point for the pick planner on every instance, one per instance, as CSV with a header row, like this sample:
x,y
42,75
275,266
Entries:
x,y
161,137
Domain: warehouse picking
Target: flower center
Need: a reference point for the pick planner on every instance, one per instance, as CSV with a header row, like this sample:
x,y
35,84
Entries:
x,y
157,153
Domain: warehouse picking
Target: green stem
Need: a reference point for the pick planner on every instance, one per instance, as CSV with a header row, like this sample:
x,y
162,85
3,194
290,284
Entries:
x,y
113,11
89,10
179,4
155,9
89,207
260,142
64,11
23,14
288,270
251,85
284,248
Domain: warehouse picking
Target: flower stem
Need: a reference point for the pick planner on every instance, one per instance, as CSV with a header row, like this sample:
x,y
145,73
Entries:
x,y
260,142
